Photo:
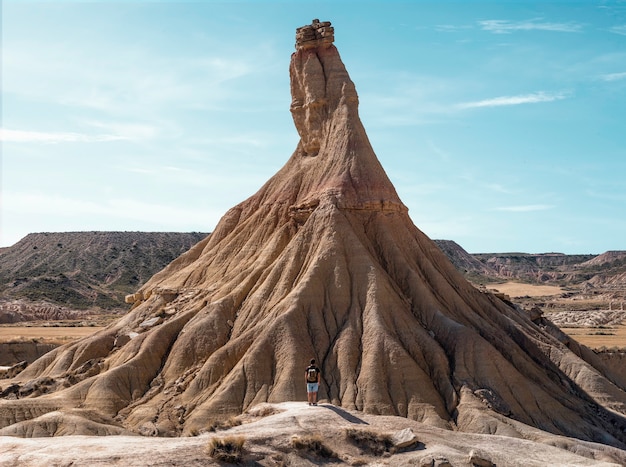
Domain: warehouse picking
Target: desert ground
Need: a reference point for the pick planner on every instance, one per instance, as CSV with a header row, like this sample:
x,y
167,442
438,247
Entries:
x,y
292,433
595,323
27,342
519,289
612,336
52,334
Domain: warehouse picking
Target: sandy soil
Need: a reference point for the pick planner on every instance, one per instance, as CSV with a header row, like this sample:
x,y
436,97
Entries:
x,y
593,328
611,336
517,289
45,333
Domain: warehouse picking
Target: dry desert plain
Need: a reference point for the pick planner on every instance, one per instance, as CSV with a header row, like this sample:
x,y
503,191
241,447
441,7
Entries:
x,y
595,328
45,333
594,334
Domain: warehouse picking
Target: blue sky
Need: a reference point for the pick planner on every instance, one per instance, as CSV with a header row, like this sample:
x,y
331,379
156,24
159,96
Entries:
x,y
501,124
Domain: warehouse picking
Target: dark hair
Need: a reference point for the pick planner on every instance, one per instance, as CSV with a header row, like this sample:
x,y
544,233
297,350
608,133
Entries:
x,y
312,361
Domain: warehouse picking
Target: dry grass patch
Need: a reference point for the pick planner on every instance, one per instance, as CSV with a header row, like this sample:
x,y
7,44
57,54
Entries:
x,y
359,461
47,334
262,410
313,444
598,338
228,449
224,424
518,289
370,442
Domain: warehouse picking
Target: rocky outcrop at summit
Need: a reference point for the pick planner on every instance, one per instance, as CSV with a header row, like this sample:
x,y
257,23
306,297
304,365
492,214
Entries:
x,y
315,35
324,262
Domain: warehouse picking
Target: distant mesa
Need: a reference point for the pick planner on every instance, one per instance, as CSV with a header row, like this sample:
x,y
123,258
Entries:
x,y
324,262
68,275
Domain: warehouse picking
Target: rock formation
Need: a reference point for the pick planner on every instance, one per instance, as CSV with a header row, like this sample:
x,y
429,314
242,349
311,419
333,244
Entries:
x,y
324,262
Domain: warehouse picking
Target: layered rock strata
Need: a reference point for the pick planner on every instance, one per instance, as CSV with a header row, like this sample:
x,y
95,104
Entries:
x,y
316,34
324,262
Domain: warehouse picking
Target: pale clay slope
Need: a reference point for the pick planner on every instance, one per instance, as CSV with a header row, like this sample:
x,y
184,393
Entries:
x,y
268,440
323,261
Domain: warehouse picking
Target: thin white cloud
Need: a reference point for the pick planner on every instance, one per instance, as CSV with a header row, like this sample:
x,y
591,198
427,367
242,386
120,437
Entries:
x,y
498,188
451,28
125,130
525,208
502,26
174,176
441,153
127,82
249,140
62,210
533,98
615,195
26,136
406,99
621,30
613,76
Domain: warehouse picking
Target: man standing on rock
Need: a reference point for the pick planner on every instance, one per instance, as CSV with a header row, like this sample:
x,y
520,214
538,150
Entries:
x,y
312,376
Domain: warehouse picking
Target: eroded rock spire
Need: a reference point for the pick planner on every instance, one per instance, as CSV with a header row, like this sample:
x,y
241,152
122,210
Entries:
x,y
322,262
325,112
319,84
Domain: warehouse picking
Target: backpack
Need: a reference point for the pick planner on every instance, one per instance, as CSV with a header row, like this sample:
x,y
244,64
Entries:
x,y
311,374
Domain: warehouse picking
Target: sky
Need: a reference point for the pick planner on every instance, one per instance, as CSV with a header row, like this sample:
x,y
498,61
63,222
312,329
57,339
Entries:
x,y
501,124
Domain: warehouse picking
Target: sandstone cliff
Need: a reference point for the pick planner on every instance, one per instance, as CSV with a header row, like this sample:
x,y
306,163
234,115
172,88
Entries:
x,y
324,262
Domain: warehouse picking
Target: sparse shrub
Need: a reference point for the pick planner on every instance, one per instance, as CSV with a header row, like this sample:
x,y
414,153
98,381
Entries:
x,y
370,442
218,425
314,445
278,460
194,432
358,461
229,449
262,410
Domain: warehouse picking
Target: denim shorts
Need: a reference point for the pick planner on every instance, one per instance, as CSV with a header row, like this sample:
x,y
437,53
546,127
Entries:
x,y
312,387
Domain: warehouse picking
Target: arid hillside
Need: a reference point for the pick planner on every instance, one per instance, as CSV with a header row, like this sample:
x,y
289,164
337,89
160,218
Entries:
x,y
57,273
586,280
608,268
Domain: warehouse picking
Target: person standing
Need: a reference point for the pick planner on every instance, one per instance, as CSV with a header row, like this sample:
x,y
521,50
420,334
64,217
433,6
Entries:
x,y
312,376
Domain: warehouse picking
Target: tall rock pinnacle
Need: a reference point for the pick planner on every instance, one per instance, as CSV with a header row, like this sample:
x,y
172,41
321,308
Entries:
x,y
334,159
324,262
